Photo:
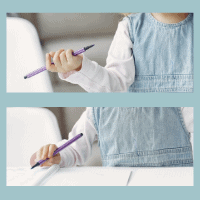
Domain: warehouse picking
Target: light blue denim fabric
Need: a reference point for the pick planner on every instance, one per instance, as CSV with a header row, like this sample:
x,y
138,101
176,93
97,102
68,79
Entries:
x,y
163,54
142,137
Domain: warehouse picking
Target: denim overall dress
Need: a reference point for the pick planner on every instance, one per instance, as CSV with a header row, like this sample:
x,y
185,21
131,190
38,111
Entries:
x,y
142,137
163,54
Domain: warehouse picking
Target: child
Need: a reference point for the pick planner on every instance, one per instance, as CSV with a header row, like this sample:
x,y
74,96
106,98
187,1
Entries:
x,y
135,137
150,52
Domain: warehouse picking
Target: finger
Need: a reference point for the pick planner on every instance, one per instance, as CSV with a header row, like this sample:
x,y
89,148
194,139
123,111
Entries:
x,y
33,158
56,58
39,154
46,164
49,66
55,160
69,55
63,58
45,152
52,148
52,53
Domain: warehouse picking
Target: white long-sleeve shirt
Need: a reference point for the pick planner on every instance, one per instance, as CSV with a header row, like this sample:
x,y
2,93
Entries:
x,y
116,76
78,152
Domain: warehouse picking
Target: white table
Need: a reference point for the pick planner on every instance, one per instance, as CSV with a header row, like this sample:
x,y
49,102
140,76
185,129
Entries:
x,y
87,176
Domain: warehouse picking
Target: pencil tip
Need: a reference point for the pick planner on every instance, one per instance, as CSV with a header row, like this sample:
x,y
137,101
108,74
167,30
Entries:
x,y
25,77
37,164
88,47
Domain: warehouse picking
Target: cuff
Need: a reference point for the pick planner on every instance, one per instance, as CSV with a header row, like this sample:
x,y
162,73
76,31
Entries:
x,y
67,158
64,76
75,77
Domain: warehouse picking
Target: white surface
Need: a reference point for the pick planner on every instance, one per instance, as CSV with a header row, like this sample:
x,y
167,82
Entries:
x,y
180,176
24,55
76,176
28,177
103,176
28,129
47,174
89,176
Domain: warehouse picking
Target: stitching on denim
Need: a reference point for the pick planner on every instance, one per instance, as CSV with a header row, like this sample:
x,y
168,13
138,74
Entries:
x,y
175,25
149,153
172,76
138,90
153,81
165,163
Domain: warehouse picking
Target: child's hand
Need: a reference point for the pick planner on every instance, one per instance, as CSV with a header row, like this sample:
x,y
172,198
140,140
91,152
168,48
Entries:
x,y
64,61
47,152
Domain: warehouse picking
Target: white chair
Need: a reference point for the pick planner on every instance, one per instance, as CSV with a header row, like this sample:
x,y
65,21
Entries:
x,y
24,55
28,129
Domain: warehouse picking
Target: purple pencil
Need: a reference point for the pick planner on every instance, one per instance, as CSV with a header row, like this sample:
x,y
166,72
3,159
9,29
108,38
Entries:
x,y
37,71
59,149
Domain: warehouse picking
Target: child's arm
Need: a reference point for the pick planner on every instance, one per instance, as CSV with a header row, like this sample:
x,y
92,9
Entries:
x,y
78,152
116,76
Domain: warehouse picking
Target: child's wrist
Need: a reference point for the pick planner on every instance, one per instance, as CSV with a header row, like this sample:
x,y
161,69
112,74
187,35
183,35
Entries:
x,y
81,61
79,68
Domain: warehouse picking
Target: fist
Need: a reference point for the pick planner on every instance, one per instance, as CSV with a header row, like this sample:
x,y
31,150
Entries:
x,y
47,152
64,61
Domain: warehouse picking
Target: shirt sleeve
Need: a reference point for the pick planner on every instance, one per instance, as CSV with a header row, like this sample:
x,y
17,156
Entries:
x,y
188,118
119,72
78,152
